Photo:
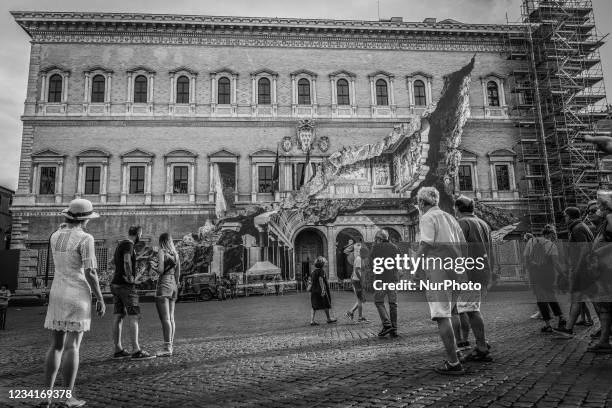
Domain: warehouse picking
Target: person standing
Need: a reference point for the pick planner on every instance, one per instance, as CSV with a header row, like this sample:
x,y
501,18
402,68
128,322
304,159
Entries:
x,y
477,234
125,296
441,237
542,260
69,310
320,296
169,269
357,283
382,248
580,241
5,295
602,250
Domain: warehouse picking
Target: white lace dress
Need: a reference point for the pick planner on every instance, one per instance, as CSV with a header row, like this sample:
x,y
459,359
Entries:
x,y
70,296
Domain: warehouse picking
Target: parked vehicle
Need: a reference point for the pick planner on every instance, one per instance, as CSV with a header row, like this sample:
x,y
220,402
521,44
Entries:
x,y
199,286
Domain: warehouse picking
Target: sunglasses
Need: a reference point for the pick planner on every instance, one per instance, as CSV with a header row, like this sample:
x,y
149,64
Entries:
x,y
592,211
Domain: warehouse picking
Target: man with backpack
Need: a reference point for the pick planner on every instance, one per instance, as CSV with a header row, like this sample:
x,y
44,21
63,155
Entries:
x,y
477,234
542,262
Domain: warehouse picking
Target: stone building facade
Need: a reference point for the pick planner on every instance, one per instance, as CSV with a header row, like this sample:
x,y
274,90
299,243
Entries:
x,y
136,111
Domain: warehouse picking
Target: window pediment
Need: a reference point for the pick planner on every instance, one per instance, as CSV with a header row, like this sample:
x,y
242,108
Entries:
x,y
224,153
501,153
183,69
468,155
48,153
420,74
141,68
264,153
97,68
493,75
94,153
181,153
54,68
137,153
224,70
381,73
303,72
264,71
342,72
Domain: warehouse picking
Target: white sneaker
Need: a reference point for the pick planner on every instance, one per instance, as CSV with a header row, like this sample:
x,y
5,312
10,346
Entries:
x,y
536,315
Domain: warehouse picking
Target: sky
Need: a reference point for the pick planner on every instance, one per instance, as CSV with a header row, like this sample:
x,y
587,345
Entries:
x,y
15,46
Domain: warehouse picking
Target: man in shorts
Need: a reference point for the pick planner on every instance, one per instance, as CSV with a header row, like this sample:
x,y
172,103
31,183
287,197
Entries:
x,y
125,296
441,237
477,234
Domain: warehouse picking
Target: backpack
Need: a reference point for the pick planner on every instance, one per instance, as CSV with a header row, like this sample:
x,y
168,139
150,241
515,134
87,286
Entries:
x,y
538,255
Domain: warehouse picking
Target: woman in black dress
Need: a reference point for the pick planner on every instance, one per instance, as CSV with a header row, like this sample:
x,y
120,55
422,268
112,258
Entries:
x,y
320,297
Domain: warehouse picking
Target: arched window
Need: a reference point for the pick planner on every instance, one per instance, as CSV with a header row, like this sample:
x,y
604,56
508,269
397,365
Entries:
x,y
55,88
342,90
263,92
419,93
493,93
382,96
182,89
140,89
97,89
223,91
304,92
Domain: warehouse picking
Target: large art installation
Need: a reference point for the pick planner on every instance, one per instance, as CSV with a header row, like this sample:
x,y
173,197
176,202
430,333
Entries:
x,y
423,152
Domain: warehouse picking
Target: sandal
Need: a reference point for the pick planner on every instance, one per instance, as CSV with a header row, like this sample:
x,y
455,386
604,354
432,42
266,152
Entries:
x,y
121,354
314,323
448,369
73,403
546,329
142,355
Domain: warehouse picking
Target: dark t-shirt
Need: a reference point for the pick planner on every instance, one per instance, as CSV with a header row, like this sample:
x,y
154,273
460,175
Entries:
x,y
124,247
385,250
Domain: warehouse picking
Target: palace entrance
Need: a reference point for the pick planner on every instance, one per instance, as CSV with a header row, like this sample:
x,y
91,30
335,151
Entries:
x,y
309,244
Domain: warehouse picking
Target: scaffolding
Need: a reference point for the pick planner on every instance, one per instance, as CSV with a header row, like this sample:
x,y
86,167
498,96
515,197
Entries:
x,y
559,97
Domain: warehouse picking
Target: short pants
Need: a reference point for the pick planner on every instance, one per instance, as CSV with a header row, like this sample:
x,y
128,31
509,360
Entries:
x,y
125,299
442,303
469,300
166,287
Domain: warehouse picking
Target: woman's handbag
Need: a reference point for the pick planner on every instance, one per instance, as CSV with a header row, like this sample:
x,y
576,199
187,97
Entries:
x,y
309,285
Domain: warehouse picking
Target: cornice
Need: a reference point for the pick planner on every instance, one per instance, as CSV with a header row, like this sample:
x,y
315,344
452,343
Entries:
x,y
49,27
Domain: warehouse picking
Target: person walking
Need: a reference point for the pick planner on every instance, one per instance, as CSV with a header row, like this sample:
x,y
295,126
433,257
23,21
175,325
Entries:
x,y
357,283
169,269
382,248
320,296
580,241
542,260
5,295
69,310
477,234
125,296
441,237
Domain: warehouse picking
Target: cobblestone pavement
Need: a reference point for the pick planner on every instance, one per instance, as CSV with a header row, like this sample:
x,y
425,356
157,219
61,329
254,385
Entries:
x,y
261,352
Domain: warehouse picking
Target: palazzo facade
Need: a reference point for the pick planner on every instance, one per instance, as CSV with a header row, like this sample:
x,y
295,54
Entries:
x,y
136,112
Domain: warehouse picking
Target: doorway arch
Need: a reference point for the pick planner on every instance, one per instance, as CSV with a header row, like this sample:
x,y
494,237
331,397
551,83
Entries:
x,y
309,243
343,268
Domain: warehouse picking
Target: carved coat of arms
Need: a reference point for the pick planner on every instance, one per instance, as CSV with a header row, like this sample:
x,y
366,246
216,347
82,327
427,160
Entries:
x,y
306,134
323,143
287,144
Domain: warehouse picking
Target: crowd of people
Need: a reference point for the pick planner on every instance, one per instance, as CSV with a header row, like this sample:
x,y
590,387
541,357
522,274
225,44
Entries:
x,y
582,268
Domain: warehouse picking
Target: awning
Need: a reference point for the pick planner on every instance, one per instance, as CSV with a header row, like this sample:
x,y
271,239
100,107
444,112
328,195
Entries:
x,y
263,268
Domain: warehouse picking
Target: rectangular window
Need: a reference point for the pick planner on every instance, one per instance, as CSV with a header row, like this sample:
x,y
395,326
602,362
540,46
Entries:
x,y
181,178
137,179
47,180
92,180
465,178
265,179
503,177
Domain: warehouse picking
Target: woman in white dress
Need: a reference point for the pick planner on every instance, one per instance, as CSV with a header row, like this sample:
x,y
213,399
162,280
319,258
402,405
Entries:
x,y
69,311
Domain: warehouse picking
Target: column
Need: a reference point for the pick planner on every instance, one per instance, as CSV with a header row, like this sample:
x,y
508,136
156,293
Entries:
x,y
87,88
288,176
253,182
169,188
502,94
475,180
353,97
148,183
59,183
493,181
192,89
150,90
80,190
331,254
192,183
103,183
44,89
211,182
274,90
108,89
293,91
334,99
314,94
236,193
392,98
428,92
128,97
372,93
35,174
234,89
65,87
172,90
253,90
484,92
513,186
124,182
409,85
